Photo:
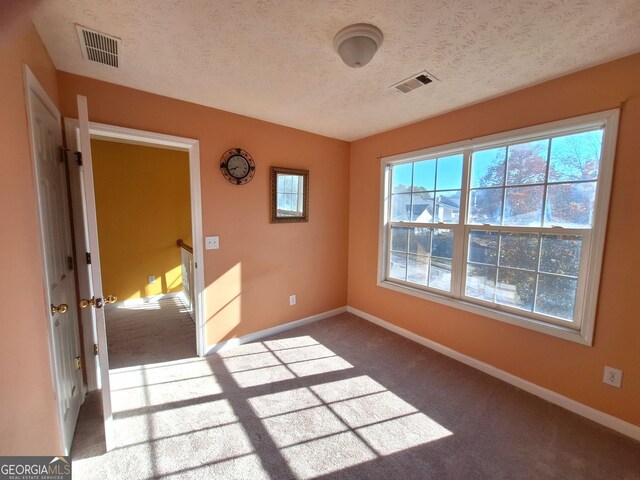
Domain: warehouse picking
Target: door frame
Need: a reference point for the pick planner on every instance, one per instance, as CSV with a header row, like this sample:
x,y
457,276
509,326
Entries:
x,y
34,88
192,147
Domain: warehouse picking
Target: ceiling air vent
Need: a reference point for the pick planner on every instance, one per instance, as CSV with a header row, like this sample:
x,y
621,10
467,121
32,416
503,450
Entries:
x,y
99,47
414,81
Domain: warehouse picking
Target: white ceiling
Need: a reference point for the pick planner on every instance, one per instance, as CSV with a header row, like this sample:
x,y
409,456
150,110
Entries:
x,y
274,59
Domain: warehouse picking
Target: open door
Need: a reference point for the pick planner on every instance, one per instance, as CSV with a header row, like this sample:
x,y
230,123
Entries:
x,y
57,260
89,275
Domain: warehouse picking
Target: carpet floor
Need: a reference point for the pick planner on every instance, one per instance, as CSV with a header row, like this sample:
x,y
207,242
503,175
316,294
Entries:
x,y
337,399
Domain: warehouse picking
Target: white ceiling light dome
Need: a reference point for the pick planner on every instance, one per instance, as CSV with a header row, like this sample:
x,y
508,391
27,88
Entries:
x,y
357,44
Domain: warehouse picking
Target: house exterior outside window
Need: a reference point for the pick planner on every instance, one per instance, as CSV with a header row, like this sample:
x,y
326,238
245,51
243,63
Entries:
x,y
510,226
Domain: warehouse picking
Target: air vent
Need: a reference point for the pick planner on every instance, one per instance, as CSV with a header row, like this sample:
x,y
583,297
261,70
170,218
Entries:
x,y
414,81
99,47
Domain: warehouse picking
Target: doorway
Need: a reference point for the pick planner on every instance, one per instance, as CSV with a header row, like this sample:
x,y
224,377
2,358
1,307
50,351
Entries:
x,y
95,338
142,197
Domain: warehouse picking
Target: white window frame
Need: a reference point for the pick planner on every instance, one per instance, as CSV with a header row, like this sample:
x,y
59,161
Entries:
x,y
579,331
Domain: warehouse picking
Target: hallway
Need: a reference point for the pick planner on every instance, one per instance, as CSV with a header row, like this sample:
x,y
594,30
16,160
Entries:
x,y
151,332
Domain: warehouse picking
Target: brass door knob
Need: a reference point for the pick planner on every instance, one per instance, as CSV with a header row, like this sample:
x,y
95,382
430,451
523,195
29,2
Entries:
x,y
62,308
111,299
84,303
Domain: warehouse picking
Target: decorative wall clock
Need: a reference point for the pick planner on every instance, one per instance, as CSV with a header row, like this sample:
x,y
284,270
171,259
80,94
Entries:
x,y
237,166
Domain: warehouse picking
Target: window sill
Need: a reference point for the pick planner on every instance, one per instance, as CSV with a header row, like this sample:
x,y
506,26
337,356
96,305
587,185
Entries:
x,y
577,336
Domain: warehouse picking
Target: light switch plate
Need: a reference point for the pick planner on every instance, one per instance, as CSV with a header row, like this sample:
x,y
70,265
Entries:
x,y
212,243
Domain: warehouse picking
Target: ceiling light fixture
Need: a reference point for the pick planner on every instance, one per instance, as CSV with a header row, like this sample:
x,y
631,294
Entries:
x,y
357,44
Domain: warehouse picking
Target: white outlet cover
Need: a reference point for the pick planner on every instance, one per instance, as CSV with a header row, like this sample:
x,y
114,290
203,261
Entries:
x,y
292,300
613,377
212,243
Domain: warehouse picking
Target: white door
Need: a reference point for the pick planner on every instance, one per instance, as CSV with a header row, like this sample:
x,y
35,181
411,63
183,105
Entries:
x,y
55,226
83,256
90,279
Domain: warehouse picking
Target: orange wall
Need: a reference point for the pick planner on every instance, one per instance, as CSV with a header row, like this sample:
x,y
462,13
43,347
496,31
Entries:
x,y
562,366
249,279
28,420
144,206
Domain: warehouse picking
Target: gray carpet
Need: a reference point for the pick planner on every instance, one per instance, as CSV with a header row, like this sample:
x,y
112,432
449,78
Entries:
x,y
151,332
336,399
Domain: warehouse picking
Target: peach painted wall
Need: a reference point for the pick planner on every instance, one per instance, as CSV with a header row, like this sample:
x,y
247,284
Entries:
x,y
28,420
567,368
143,207
249,279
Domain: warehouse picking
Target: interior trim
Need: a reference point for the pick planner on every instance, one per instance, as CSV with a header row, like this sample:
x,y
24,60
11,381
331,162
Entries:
x,y
252,337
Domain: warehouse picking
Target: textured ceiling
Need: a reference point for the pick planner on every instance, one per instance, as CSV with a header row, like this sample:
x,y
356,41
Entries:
x,y
274,60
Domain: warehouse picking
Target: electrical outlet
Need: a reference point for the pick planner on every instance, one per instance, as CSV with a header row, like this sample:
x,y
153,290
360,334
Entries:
x,y
292,300
152,279
613,377
212,243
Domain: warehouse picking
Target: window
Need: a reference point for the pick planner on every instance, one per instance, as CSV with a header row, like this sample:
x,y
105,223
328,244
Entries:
x,y
510,226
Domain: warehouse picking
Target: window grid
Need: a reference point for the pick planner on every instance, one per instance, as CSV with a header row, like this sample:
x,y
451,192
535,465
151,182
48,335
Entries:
x,y
462,229
537,272
407,253
545,184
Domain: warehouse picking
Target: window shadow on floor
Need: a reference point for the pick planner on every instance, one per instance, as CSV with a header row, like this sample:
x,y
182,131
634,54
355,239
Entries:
x,y
342,398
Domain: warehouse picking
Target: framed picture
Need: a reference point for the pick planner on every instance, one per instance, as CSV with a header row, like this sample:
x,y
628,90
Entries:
x,y
289,195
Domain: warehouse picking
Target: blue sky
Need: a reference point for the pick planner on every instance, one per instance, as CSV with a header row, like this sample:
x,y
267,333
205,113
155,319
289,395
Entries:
x,y
447,171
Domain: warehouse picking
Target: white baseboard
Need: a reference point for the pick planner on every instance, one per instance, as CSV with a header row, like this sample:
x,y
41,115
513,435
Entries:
x,y
567,403
252,337
146,300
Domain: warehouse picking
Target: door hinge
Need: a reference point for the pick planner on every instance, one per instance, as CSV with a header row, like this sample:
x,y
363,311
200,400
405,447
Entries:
x,y
78,363
63,153
78,158
88,257
70,262
96,351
